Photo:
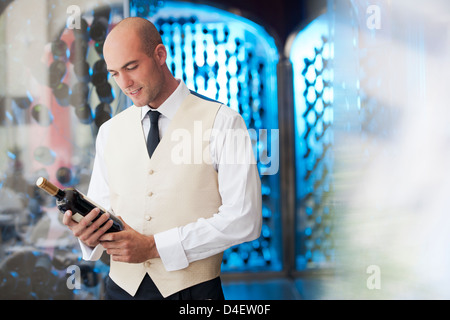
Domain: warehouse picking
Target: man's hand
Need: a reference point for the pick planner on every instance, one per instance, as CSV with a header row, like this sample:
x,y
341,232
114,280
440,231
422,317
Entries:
x,y
129,245
87,231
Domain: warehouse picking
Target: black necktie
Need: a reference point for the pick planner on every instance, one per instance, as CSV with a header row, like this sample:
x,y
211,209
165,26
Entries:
x,y
153,134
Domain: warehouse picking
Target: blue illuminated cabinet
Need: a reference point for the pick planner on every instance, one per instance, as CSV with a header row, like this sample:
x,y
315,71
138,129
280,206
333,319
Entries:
x,y
311,55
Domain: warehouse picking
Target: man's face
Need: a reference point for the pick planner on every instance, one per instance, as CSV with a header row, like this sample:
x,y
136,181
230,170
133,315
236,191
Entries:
x,y
138,75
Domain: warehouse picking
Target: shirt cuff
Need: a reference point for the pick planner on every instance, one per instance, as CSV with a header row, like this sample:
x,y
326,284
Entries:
x,y
170,249
90,254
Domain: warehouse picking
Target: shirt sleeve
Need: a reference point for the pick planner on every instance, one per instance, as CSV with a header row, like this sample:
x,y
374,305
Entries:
x,y
239,217
98,189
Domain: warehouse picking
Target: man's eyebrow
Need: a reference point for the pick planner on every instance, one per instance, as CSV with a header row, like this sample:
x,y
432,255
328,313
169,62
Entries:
x,y
124,66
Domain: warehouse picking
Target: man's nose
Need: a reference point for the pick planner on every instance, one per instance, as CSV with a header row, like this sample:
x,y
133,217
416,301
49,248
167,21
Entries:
x,y
125,82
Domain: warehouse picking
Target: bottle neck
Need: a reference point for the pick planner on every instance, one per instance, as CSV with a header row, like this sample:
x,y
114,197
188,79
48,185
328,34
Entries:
x,y
50,188
60,194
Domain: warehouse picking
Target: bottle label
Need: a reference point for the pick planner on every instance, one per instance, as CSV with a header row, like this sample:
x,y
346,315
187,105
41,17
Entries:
x,y
77,217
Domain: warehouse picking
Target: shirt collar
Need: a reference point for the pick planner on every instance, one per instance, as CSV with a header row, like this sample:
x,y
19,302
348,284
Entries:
x,y
171,105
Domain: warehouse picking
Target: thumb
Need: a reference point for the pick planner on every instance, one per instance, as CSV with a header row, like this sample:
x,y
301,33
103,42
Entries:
x,y
125,225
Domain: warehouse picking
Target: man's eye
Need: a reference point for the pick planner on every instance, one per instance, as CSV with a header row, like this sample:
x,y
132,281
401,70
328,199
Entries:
x,y
132,67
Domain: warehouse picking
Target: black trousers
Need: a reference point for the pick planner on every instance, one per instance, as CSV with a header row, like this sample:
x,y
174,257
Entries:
x,y
211,289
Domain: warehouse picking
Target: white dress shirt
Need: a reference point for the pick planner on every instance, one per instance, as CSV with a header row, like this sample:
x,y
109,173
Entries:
x,y
239,217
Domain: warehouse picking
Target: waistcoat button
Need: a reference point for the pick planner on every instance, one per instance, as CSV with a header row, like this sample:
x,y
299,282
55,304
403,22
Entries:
x,y
147,217
150,194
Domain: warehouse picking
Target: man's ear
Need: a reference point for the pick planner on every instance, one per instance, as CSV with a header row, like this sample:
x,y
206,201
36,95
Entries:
x,y
160,54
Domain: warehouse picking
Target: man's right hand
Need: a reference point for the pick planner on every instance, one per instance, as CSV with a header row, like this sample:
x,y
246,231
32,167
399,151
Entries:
x,y
87,231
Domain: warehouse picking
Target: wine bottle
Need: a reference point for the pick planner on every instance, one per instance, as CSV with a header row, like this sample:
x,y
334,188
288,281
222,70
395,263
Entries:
x,y
73,200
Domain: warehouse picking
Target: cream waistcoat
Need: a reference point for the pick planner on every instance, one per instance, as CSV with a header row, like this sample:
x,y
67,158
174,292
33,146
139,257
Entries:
x,y
157,194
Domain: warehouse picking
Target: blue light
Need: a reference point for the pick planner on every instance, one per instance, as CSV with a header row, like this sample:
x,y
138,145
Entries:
x,y
327,95
318,64
311,117
319,107
328,115
11,155
311,95
319,84
311,74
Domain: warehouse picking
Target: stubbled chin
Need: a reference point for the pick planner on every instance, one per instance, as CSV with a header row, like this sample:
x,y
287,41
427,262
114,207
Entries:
x,y
138,103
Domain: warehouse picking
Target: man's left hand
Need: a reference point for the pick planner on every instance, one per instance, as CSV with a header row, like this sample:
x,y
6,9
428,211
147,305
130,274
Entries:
x,y
129,245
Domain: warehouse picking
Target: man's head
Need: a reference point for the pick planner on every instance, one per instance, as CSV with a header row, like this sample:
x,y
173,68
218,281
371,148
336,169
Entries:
x,y
136,58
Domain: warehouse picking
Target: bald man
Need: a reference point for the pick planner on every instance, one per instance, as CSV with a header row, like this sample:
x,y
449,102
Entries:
x,y
179,216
